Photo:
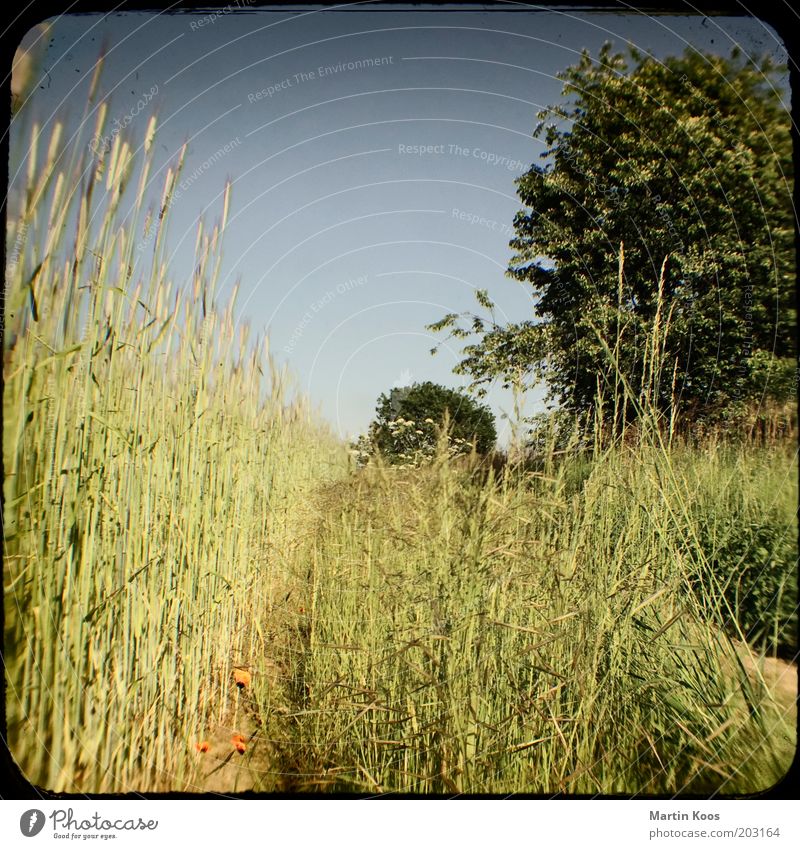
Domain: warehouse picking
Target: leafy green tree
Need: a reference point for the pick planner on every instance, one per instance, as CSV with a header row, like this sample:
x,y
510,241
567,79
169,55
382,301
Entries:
x,y
685,166
409,421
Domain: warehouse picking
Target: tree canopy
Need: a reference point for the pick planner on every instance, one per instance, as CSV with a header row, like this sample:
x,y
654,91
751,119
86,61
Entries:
x,y
409,422
684,167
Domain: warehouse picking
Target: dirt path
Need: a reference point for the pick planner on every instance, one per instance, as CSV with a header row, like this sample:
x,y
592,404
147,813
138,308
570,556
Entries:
x,y
224,770
779,676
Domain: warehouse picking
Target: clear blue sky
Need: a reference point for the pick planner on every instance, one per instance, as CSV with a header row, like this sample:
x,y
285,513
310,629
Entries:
x,y
346,239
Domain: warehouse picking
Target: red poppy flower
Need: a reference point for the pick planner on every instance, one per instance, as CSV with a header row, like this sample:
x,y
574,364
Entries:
x,y
242,678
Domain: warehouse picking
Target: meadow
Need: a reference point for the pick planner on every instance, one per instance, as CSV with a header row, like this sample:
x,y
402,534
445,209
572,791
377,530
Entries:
x,y
202,591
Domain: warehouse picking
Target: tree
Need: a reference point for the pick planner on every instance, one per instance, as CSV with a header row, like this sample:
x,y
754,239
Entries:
x,y
410,420
685,167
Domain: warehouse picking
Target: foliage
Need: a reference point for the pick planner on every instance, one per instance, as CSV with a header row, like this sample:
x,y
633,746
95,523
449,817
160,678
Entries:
x,y
553,431
513,353
410,421
687,164
745,539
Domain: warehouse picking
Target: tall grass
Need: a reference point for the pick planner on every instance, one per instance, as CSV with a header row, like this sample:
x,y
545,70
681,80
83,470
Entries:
x,y
156,464
530,636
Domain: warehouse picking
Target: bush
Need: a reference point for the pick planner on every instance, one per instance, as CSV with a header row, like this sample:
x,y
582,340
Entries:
x,y
412,420
754,561
742,538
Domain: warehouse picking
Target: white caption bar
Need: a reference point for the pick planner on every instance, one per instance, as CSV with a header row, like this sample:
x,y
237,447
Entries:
x,y
388,824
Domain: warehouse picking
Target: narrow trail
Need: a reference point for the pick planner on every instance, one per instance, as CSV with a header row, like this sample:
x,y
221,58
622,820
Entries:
x,y
259,767
780,677
264,712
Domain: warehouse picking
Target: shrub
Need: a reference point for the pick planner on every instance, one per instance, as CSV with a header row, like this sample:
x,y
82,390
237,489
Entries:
x,y
410,421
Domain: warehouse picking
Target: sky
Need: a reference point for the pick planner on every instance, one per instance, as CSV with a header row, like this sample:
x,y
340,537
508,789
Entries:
x,y
372,153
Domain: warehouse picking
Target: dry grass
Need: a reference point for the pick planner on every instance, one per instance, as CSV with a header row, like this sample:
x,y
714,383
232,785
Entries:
x,y
530,635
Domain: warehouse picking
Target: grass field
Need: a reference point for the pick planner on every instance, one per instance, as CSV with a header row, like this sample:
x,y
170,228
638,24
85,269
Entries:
x,y
536,635
175,515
